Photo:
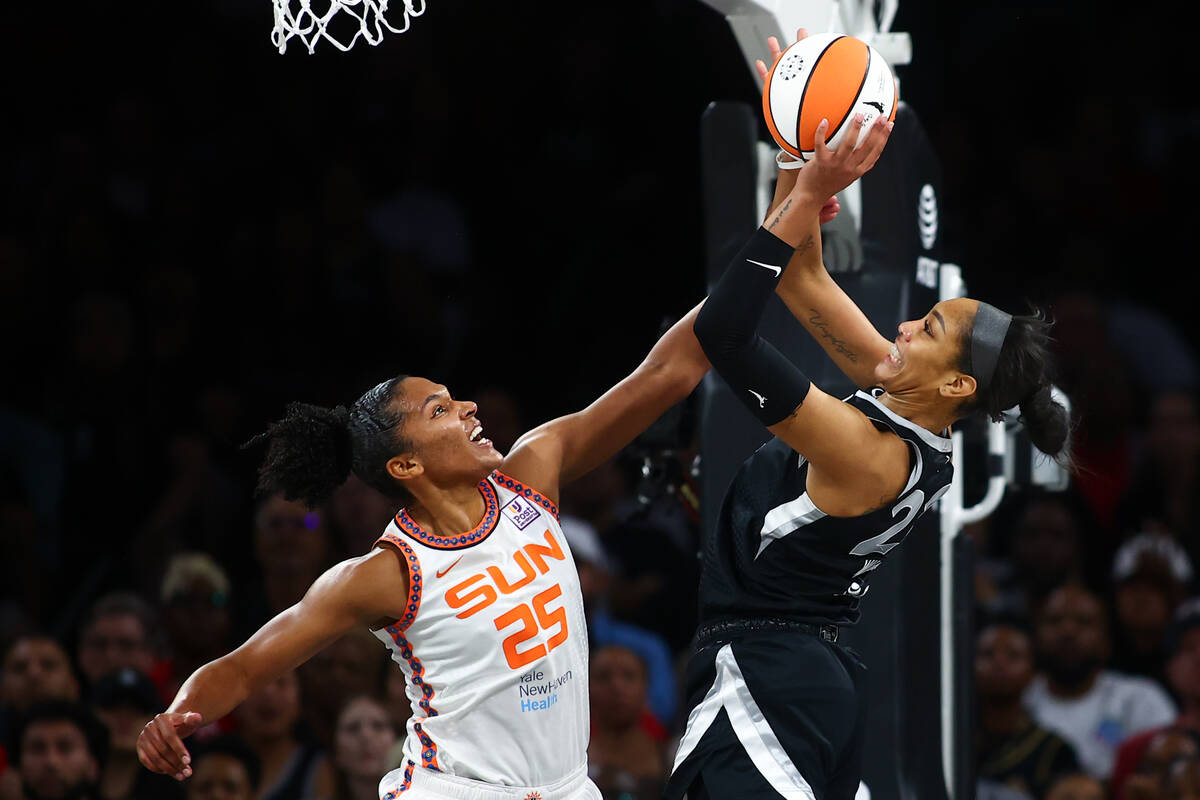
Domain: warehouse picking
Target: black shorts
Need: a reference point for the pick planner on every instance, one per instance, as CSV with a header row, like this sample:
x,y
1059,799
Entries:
x,y
772,713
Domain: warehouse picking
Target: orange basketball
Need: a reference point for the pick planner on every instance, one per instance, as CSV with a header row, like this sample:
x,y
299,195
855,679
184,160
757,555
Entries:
x,y
826,76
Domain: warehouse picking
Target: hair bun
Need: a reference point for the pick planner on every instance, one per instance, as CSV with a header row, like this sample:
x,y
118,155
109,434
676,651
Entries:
x,y
1046,420
309,453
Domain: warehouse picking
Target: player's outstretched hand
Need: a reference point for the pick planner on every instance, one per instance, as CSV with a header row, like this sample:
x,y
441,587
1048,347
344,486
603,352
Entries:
x,y
776,51
831,207
831,171
160,744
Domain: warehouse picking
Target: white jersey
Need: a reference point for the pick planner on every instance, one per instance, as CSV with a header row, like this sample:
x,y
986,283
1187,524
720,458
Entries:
x,y
493,644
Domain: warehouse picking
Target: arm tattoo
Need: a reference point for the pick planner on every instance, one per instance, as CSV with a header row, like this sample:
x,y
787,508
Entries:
x,y
806,245
779,215
818,322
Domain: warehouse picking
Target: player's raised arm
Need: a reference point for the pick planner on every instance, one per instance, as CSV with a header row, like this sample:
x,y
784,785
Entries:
x,y
351,594
810,293
829,314
571,446
774,389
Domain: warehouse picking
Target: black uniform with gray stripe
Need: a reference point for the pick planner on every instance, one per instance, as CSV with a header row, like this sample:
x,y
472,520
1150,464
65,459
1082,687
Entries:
x,y
776,704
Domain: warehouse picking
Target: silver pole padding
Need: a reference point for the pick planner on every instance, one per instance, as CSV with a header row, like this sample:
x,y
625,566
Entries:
x,y
997,450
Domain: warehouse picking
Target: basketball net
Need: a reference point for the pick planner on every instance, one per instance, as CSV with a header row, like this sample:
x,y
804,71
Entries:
x,y
366,18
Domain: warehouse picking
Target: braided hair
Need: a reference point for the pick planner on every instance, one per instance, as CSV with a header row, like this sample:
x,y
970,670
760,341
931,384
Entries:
x,y
312,450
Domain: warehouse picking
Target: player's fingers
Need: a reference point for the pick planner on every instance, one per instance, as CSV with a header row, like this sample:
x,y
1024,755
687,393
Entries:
x,y
150,758
775,50
801,33
850,151
762,69
170,736
160,753
161,735
873,145
820,150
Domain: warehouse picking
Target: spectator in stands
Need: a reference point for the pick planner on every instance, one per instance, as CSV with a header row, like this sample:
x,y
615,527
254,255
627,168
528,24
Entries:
x,y
1090,706
1183,680
624,761
363,741
1079,786
1164,749
120,631
124,701
35,668
352,665
291,765
1151,574
58,748
1012,750
293,546
359,514
595,578
1183,780
1101,383
196,615
1165,488
399,707
1038,536
224,768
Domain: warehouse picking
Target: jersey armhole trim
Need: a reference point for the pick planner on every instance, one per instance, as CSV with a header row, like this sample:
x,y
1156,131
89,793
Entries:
x,y
408,557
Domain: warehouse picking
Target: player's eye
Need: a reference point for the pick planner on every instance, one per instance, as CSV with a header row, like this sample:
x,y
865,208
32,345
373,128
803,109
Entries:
x,y
928,330
439,409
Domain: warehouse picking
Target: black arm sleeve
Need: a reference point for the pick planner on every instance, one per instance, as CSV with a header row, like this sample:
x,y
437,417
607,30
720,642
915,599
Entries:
x,y
770,385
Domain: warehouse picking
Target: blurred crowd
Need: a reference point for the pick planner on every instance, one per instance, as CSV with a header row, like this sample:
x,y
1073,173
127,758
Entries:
x,y
186,249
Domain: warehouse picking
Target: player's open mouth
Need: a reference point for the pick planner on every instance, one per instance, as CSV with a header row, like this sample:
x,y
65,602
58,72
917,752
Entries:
x,y
894,358
476,437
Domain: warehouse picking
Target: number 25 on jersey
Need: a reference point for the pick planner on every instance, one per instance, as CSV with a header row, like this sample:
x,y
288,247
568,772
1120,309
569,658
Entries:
x,y
483,589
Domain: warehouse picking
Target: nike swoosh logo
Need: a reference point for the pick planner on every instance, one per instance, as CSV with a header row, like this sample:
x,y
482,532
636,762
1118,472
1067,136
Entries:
x,y
442,572
776,270
762,401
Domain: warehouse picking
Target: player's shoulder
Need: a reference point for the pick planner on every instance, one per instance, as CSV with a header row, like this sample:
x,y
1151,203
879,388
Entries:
x,y
379,569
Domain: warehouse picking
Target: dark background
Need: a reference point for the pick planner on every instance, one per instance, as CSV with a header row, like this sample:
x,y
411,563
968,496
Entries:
x,y
197,229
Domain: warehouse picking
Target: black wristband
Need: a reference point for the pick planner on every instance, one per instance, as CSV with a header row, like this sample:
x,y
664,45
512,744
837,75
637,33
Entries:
x,y
760,376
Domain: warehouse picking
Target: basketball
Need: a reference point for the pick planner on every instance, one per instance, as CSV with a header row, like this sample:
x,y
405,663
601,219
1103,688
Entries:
x,y
826,76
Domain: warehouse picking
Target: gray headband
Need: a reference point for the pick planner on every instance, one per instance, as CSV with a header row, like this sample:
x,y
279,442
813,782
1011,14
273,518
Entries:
x,y
987,337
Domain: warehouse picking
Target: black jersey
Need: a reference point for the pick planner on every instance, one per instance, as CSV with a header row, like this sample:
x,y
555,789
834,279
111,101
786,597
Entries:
x,y
774,553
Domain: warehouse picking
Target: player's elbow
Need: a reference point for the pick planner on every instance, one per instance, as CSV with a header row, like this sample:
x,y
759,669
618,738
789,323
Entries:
x,y
707,328
672,378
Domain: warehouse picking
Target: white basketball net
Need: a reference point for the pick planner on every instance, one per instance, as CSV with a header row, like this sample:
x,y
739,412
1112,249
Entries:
x,y
299,18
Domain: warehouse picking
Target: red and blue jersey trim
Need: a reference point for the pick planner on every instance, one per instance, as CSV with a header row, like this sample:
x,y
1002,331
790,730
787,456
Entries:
x,y
413,602
425,704
491,515
404,784
396,631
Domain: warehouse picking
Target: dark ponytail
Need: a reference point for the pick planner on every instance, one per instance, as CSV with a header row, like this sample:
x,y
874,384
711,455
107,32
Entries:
x,y
1023,378
1046,421
312,450
308,453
